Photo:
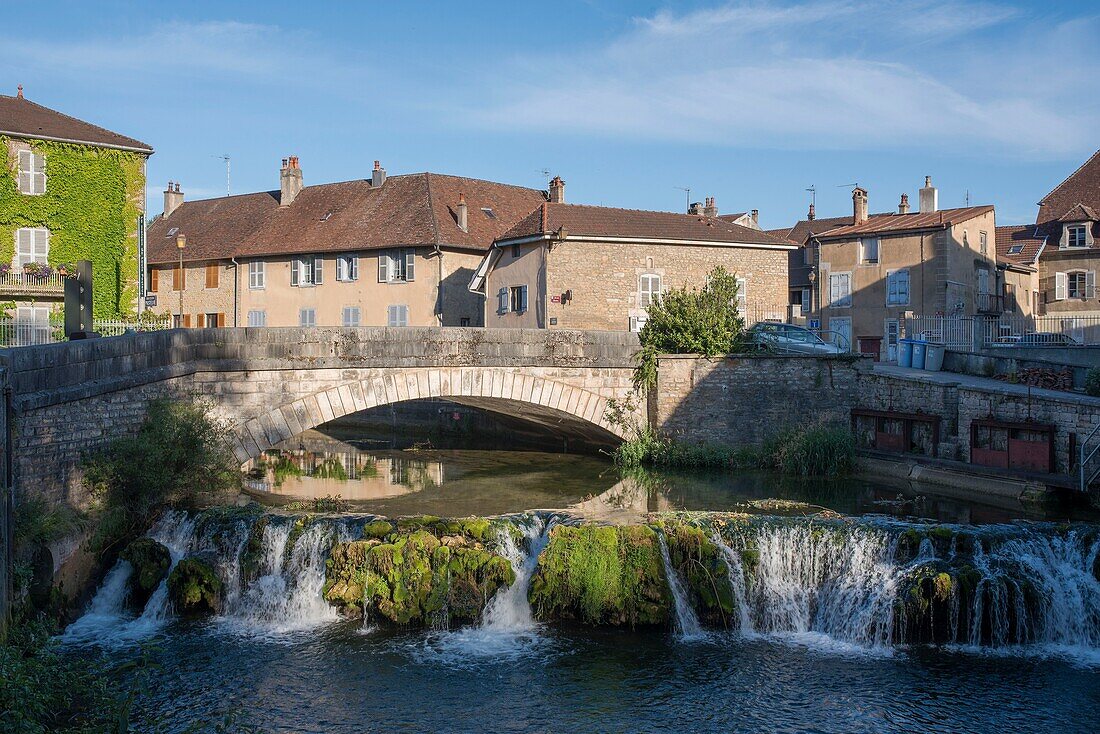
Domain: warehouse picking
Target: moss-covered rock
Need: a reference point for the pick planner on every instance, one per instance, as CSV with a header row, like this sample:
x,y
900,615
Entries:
x,y
252,553
600,575
377,529
705,574
151,561
195,587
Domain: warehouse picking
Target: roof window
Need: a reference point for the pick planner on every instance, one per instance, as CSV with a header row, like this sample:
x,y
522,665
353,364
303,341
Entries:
x,y
173,232
488,211
1015,249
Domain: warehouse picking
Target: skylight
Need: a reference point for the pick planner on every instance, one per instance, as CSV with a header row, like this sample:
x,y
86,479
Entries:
x,y
327,215
173,232
489,212
1015,249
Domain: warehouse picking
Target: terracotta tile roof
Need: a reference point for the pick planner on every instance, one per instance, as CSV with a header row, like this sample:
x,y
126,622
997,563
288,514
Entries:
x,y
598,221
1019,244
887,223
19,117
409,210
1080,187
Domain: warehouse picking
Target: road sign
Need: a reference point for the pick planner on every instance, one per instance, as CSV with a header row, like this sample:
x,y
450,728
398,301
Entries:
x,y
815,323
150,300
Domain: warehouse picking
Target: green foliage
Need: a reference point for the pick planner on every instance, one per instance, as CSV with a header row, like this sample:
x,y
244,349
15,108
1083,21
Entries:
x,y
91,207
195,587
179,458
39,521
151,561
822,451
691,321
331,468
1092,382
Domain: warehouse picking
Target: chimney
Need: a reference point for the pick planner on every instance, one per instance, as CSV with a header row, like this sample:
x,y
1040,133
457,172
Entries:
x,y
378,176
859,205
756,217
556,194
460,210
290,181
811,215
173,199
696,209
903,207
710,210
929,197
19,91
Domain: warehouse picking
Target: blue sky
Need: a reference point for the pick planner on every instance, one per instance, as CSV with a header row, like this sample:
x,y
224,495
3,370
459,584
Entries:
x,y
750,102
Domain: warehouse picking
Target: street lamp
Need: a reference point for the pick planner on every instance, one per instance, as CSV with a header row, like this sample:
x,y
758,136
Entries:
x,y
181,243
812,277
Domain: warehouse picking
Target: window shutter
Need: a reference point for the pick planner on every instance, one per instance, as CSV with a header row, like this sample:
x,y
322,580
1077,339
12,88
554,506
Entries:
x,y
317,270
523,299
187,321
38,173
295,276
221,319
342,268
1059,286
25,171
1090,284
410,258
383,267
502,300
154,279
903,286
354,262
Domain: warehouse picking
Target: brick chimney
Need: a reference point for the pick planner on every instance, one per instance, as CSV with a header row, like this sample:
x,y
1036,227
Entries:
x,y
556,194
378,175
929,197
756,218
696,209
173,198
811,215
903,207
859,205
19,91
290,181
710,209
460,213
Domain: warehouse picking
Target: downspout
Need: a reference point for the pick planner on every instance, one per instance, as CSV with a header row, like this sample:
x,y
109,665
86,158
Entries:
x,y
236,287
439,292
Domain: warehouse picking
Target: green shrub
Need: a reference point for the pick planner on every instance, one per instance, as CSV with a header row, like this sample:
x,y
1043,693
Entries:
x,y
823,451
1092,382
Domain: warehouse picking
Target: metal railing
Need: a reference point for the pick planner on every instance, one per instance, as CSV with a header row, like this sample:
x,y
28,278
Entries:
x,y
955,332
1006,329
17,332
19,282
1084,477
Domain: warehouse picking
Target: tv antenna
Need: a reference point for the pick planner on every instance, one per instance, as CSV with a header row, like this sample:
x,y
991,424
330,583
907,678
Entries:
x,y
225,157
852,185
813,195
546,174
687,194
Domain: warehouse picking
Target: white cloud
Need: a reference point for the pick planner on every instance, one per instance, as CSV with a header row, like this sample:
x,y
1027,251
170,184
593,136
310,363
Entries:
x,y
817,74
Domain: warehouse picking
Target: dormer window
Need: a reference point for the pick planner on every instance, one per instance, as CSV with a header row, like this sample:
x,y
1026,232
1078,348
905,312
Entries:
x,y
1075,236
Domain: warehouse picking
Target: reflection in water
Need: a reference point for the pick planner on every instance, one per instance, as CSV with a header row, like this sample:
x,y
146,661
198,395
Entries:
x,y
461,483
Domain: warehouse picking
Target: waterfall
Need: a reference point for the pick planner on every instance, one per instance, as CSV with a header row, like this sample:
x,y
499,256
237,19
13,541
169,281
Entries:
x,y
687,623
737,583
509,610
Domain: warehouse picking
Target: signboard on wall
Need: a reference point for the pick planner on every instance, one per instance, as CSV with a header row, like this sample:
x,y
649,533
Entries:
x,y
150,300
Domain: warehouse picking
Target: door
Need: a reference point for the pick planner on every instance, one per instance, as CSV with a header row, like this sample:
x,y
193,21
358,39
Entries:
x,y
842,333
891,340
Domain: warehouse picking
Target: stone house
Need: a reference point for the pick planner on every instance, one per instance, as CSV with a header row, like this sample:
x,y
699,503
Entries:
x,y
69,190
570,266
868,275
384,251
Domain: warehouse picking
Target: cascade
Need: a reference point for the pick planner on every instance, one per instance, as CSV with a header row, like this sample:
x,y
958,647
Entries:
x,y
687,623
509,610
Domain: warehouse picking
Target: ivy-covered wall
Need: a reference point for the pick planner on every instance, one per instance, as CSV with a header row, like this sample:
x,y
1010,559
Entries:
x,y
91,207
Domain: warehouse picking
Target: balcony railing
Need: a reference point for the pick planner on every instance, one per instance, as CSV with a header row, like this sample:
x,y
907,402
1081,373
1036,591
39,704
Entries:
x,y
991,303
17,282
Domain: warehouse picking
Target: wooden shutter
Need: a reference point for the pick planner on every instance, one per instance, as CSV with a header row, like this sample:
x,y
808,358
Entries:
x,y
295,275
355,267
410,261
25,166
318,270
38,173
212,275
1059,286
502,300
523,299
154,279
187,321
221,319
383,267
1090,284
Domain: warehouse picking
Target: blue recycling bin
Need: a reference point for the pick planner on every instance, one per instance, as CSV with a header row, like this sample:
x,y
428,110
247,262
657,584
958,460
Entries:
x,y
920,350
905,353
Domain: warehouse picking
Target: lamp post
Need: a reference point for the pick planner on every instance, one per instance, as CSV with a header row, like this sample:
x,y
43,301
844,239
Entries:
x,y
181,243
812,277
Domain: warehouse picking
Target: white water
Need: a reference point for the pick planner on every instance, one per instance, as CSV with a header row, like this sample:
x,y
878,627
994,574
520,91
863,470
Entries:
x,y
687,623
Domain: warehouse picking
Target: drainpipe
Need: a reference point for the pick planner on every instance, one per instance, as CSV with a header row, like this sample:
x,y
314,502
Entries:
x,y
439,291
236,287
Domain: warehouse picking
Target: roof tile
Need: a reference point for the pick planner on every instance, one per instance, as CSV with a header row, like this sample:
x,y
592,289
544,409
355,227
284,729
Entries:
x,y
23,118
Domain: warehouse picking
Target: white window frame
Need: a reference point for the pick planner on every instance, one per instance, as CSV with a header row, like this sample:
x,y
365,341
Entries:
x,y
32,244
983,242
309,321
397,315
742,295
845,300
647,294
257,317
397,266
257,275
32,173
893,287
351,316
347,268
1082,241
1087,285
307,271
864,245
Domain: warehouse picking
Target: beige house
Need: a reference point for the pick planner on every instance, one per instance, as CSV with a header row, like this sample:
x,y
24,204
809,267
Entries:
x,y
871,273
384,251
568,266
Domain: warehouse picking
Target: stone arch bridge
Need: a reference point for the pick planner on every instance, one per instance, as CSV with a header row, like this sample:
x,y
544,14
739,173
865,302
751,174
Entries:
x,y
271,384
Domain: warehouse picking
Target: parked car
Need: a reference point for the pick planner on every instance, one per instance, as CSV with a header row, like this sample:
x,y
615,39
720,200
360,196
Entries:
x,y
788,338
1038,339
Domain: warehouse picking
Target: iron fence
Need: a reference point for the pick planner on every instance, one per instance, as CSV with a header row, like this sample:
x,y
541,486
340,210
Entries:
x,y
978,332
22,332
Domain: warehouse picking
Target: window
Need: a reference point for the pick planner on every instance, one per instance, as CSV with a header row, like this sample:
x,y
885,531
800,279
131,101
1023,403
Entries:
x,y
257,318
257,275
212,275
649,290
179,278
306,271
1015,249
307,317
742,296
868,251
31,325
210,320
897,288
31,245
983,281
806,298
464,321
983,242
840,290
351,316
347,268
177,321
488,211
32,172
1075,236
515,251
517,298
154,280
396,266
807,255
397,316
1075,284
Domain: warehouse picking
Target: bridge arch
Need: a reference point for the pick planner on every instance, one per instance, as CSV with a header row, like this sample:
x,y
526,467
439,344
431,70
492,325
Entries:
x,y
517,393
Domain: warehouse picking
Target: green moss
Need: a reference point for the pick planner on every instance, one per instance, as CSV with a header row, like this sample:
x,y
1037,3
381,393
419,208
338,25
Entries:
x,y
705,574
252,554
151,561
296,530
377,529
601,576
194,587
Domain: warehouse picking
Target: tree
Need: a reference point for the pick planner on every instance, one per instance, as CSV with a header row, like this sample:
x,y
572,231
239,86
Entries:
x,y
691,321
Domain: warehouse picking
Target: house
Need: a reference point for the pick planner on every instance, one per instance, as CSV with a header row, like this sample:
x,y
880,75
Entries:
x,y
1018,250
69,190
382,251
1068,223
571,266
871,273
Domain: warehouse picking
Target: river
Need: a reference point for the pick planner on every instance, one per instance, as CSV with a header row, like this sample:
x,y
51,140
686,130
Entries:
x,y
814,648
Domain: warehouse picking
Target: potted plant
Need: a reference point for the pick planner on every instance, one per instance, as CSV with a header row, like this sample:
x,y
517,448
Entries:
x,y
5,268
66,269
